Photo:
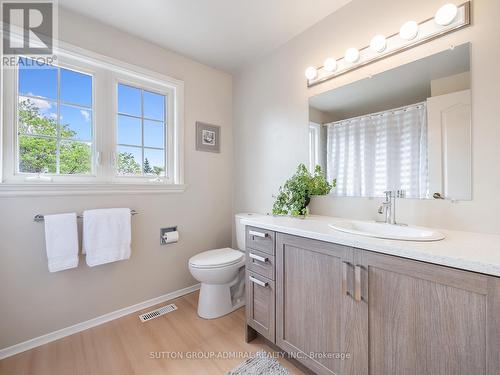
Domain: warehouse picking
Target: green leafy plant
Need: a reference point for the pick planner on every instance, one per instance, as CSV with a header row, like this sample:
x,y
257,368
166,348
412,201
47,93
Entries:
x,y
294,196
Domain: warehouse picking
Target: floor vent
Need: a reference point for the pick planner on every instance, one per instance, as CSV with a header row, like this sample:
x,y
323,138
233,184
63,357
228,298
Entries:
x,y
158,312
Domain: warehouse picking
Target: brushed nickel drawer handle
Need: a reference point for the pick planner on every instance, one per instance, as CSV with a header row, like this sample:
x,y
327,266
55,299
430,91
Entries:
x,y
258,257
357,283
257,281
257,234
345,266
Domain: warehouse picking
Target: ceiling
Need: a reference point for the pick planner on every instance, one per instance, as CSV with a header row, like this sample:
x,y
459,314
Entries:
x,y
404,85
225,34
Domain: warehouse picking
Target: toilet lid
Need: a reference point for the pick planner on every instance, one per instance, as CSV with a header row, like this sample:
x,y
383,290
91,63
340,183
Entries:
x,y
216,258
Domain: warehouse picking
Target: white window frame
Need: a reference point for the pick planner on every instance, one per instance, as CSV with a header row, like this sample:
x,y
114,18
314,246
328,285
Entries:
x,y
314,145
11,163
169,119
106,74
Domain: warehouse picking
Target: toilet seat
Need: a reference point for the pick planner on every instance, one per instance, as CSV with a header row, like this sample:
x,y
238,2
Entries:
x,y
216,258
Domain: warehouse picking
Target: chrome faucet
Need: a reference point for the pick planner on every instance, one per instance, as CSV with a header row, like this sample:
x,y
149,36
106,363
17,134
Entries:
x,y
389,205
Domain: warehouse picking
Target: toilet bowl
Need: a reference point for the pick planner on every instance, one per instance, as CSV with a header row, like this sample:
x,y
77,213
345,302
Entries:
x,y
222,276
217,271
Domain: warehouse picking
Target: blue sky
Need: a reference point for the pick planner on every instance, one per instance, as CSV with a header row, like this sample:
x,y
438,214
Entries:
x,y
76,109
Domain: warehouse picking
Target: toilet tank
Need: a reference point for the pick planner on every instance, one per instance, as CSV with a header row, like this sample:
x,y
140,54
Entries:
x,y
240,228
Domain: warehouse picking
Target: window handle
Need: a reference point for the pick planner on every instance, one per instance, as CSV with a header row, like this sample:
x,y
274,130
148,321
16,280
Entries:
x,y
38,178
112,159
98,157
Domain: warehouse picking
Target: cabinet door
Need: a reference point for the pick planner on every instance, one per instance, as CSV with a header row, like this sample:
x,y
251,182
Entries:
x,y
313,304
260,304
424,319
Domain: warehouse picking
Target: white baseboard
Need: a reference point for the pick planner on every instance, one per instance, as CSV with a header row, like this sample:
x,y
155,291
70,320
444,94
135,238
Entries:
x,y
56,335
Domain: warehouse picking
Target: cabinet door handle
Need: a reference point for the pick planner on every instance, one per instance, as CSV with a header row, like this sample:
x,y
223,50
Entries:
x,y
357,283
345,266
257,234
257,281
258,257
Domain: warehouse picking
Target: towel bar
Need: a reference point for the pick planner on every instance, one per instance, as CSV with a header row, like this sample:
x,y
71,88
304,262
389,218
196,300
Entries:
x,y
39,218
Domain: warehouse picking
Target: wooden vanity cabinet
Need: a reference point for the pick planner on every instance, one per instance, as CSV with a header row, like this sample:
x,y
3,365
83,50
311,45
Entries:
x,y
259,283
260,305
315,314
421,318
347,311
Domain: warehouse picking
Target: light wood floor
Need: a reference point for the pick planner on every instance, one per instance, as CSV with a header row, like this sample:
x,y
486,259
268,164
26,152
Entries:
x,y
124,346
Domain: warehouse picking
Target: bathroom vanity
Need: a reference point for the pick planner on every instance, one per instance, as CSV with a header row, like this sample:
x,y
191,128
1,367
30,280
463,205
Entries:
x,y
345,304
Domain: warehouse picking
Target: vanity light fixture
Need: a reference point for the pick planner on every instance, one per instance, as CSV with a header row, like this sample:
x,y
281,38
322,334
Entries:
x,y
447,19
330,64
446,14
409,30
351,55
311,73
378,43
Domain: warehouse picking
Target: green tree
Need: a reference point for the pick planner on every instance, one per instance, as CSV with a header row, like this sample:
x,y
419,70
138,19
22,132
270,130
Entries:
x,y
38,144
158,170
127,164
147,168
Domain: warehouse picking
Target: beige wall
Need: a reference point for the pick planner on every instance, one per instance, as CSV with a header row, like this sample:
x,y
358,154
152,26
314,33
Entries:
x,y
320,117
271,111
32,300
447,85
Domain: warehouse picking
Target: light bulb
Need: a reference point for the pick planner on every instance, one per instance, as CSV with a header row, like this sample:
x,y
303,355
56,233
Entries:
x,y
330,64
378,43
351,55
446,14
311,73
409,30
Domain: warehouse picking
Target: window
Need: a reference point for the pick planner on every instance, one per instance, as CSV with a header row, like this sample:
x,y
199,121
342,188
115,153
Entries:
x,y
54,112
141,131
90,123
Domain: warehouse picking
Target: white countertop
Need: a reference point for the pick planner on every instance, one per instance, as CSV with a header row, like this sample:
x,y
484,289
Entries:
x,y
470,251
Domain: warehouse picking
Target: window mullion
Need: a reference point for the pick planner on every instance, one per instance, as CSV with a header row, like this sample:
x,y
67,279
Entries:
x,y
105,94
58,127
142,129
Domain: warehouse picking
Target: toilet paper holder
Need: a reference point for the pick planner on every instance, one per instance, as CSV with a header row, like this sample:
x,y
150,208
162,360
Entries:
x,y
169,235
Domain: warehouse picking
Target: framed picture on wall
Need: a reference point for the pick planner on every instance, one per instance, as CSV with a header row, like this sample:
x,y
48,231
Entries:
x,y
207,137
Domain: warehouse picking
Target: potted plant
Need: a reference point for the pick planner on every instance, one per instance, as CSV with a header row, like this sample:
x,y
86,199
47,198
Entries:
x,y
295,195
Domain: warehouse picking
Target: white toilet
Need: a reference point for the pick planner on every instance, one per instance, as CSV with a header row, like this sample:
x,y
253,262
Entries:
x,y
221,273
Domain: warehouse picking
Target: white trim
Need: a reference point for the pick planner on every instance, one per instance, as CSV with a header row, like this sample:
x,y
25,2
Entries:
x,y
56,335
314,147
2,75
55,189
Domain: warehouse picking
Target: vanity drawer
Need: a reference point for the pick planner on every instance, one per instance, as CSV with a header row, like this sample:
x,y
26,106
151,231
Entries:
x,y
260,239
260,306
261,263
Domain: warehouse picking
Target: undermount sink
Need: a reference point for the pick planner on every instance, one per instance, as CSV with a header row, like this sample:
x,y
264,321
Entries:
x,y
387,231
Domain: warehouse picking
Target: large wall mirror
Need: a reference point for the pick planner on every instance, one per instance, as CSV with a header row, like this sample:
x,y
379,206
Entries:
x,y
408,128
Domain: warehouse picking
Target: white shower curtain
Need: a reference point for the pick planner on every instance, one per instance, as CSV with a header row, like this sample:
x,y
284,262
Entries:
x,y
384,151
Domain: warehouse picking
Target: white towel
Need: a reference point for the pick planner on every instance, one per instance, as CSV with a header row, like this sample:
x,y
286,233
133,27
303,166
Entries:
x,y
61,241
106,235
